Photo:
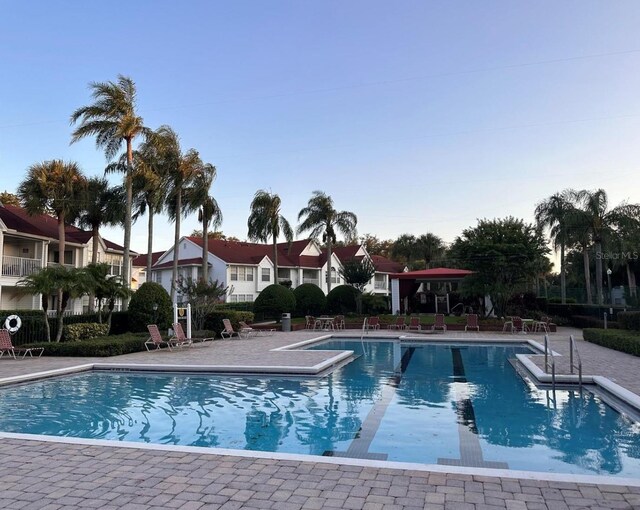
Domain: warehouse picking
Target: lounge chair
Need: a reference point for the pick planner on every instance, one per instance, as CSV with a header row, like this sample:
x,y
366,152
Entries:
x,y
228,330
439,323
245,330
414,323
6,347
398,324
472,322
155,338
373,323
514,325
542,325
182,338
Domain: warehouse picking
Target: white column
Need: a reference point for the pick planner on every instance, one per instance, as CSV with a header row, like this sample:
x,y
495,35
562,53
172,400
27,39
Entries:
x,y
395,295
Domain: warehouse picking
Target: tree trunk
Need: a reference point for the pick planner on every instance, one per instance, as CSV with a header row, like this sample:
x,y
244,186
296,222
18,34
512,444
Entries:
x,y
587,273
45,306
112,304
61,247
176,246
599,272
205,248
631,279
563,276
94,260
329,265
60,318
126,275
150,244
275,260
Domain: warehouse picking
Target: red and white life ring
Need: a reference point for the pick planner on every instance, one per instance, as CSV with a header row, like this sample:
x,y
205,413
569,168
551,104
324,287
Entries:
x,y
12,324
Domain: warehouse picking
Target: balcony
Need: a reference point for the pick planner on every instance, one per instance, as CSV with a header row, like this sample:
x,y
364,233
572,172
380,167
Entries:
x,y
19,266
315,281
380,285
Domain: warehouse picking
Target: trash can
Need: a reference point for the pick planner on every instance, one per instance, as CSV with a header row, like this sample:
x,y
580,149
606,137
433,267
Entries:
x,y
286,322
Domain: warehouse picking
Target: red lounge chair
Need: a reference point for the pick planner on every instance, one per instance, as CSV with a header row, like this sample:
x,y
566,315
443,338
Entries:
x,y
414,323
155,338
182,338
472,322
6,347
439,323
228,330
373,323
399,324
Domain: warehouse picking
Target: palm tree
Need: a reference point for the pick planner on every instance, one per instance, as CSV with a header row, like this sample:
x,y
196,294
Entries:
x,y
209,213
106,288
101,206
113,120
266,221
44,283
553,214
320,217
600,221
430,247
404,248
7,198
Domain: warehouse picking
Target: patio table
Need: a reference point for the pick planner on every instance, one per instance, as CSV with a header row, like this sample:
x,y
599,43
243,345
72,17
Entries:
x,y
326,323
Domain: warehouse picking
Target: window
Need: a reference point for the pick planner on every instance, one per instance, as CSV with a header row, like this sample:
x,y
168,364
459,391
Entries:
x,y
157,277
233,298
266,274
334,276
241,273
240,298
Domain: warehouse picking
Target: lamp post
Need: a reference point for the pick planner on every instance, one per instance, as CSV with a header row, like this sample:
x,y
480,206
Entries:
x,y
609,285
155,312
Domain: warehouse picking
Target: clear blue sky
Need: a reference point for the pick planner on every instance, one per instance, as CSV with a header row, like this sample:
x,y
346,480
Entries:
x,y
418,116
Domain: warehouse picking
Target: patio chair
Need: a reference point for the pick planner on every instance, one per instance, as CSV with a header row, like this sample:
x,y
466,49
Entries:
x,y
338,322
472,322
6,346
312,322
514,325
439,323
373,323
542,324
155,338
245,330
181,337
398,324
414,323
228,330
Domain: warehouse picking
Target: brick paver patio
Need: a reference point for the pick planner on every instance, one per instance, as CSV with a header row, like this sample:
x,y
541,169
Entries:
x,y
38,474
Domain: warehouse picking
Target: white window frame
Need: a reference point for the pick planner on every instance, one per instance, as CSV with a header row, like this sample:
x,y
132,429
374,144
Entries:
x,y
268,274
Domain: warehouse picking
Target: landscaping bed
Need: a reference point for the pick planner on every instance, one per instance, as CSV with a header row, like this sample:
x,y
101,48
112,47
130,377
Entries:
x,y
96,347
616,339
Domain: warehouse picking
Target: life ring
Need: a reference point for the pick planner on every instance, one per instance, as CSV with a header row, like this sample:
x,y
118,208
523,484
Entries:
x,y
17,324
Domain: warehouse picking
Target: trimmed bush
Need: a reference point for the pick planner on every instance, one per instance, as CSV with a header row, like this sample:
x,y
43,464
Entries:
x,y
96,347
82,331
141,310
310,300
373,304
213,320
119,322
273,301
629,320
617,339
342,299
586,321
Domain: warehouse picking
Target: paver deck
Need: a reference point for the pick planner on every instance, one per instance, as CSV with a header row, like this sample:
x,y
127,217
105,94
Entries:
x,y
39,474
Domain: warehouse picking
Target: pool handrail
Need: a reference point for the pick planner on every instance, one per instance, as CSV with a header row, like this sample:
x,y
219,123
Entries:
x,y
549,361
574,355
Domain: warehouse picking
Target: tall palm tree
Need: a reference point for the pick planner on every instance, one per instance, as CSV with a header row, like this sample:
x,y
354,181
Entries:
x,y
552,214
430,247
54,187
404,248
209,213
266,221
600,221
320,217
113,120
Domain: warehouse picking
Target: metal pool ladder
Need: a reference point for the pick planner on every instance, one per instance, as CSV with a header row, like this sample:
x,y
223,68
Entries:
x,y
549,361
574,359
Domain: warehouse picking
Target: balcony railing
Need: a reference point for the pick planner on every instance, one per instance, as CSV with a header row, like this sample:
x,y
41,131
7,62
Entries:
x,y
315,281
380,285
19,266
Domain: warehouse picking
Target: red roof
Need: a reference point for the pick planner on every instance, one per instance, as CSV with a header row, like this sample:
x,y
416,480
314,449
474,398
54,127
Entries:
x,y
182,262
438,273
17,218
385,265
141,260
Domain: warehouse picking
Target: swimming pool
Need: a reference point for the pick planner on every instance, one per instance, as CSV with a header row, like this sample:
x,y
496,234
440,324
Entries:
x,y
462,405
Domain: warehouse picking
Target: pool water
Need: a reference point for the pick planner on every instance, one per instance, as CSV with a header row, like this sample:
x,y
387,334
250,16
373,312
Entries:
x,y
462,405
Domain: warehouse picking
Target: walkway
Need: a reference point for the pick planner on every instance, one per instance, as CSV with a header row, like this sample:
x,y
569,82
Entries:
x,y
60,474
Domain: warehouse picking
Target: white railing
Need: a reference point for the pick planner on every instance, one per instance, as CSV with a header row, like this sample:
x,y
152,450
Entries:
x,y
19,266
315,281
380,285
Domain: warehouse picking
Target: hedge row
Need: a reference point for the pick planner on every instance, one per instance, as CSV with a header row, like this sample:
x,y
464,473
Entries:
x,y
213,320
586,321
84,330
629,320
617,339
96,347
570,309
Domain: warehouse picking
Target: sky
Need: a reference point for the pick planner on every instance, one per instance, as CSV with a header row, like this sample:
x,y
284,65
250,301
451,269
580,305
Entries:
x,y
418,116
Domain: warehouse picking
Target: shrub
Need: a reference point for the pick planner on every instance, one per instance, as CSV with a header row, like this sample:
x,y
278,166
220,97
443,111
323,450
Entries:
x,y
310,300
342,299
373,304
586,321
557,300
96,347
141,310
213,320
629,320
617,339
273,301
84,330
119,323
